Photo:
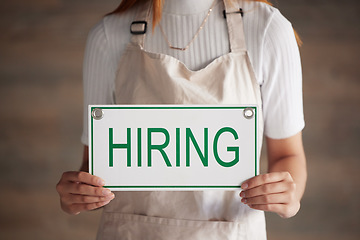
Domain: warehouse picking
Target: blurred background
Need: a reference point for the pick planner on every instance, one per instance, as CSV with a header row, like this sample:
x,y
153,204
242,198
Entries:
x,y
41,50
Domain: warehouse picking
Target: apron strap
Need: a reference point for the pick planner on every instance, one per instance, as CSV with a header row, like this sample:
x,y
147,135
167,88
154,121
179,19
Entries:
x,y
139,26
234,20
235,25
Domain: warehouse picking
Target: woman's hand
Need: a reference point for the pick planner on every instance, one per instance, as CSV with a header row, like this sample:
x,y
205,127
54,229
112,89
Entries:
x,y
281,189
80,191
274,192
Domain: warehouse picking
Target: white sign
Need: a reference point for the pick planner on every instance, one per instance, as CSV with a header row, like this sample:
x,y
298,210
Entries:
x,y
173,147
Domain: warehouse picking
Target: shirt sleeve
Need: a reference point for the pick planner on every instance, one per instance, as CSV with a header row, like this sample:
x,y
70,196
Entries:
x,y
98,73
282,85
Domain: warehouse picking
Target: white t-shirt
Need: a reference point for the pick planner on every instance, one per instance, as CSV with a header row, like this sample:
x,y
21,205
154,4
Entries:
x,y
270,40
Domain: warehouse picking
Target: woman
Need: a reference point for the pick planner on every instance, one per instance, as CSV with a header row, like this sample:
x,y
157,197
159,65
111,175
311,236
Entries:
x,y
243,57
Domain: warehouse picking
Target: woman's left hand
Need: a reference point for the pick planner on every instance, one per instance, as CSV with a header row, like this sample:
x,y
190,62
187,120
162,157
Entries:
x,y
273,192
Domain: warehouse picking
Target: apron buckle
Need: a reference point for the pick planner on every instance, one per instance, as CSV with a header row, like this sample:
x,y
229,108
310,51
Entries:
x,y
240,11
138,27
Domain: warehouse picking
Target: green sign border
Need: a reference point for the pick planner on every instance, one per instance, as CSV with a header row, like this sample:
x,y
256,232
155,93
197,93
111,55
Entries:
x,y
172,107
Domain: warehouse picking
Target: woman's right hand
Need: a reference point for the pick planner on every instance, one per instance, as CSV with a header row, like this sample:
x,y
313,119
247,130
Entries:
x,y
80,191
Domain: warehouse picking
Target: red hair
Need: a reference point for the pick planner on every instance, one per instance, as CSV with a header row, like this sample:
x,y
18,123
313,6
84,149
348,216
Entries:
x,y
157,11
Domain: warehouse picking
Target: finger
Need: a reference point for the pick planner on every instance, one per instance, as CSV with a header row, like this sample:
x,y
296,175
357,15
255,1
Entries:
x,y
83,177
265,179
278,198
283,210
270,188
75,198
277,208
79,207
84,189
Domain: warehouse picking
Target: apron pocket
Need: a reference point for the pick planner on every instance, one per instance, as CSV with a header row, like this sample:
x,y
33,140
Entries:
x,y
119,226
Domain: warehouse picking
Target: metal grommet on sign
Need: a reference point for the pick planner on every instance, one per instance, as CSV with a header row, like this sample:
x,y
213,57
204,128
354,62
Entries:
x,y
249,113
97,113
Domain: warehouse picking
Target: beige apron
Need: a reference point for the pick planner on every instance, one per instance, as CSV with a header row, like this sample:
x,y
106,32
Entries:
x,y
152,78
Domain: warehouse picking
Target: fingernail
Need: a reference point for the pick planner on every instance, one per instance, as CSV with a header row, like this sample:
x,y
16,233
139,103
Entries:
x,y
106,192
244,186
244,200
242,194
101,182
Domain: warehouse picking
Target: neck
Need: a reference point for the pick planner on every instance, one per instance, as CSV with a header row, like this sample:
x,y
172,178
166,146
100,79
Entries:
x,y
186,6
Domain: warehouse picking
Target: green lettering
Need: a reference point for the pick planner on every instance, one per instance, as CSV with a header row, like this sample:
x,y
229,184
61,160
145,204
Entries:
x,y
139,146
229,149
203,157
178,147
160,147
126,145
